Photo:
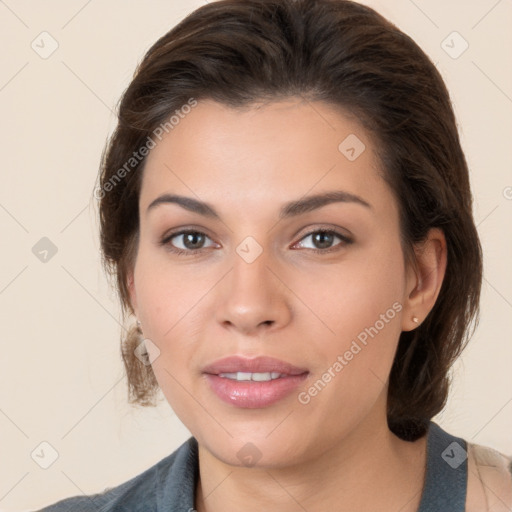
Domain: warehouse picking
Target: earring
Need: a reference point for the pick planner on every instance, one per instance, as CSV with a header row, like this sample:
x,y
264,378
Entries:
x,y
415,319
138,325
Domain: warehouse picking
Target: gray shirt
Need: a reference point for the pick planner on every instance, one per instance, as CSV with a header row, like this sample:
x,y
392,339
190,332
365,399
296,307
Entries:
x,y
169,485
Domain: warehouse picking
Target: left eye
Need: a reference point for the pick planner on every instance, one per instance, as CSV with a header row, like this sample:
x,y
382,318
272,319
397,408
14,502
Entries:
x,y
323,239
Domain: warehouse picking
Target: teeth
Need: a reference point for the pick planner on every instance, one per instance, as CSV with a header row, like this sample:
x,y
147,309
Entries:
x,y
258,377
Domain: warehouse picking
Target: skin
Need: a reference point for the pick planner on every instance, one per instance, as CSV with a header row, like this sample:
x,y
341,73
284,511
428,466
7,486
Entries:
x,y
292,303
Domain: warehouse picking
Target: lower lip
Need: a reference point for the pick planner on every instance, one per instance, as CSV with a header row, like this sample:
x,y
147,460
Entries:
x,y
252,394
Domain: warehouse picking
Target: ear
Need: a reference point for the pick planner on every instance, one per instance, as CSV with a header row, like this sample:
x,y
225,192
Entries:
x,y
424,279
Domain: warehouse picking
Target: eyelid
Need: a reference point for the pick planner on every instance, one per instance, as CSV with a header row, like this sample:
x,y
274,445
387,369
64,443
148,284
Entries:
x,y
343,233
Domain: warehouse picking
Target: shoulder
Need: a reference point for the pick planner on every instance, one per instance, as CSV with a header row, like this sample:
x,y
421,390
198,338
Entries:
x,y
140,493
489,480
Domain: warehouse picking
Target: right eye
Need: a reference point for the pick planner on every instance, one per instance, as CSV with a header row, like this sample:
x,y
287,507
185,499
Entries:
x,y
186,241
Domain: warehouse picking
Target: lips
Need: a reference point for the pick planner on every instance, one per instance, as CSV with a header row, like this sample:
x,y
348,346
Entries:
x,y
253,383
260,364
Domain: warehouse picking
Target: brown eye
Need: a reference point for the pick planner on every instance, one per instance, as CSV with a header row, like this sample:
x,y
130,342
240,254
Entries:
x,y
193,240
186,241
324,240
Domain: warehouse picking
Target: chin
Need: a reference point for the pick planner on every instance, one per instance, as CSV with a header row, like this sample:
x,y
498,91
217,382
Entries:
x,y
256,450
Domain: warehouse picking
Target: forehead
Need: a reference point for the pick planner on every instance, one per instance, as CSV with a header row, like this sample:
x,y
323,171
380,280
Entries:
x,y
263,153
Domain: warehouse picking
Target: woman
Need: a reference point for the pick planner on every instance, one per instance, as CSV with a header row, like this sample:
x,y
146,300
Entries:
x,y
286,208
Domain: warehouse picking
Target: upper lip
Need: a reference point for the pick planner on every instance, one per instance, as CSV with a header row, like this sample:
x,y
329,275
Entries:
x,y
261,364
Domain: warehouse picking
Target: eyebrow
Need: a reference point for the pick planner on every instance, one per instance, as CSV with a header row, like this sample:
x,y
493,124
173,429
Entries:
x,y
291,209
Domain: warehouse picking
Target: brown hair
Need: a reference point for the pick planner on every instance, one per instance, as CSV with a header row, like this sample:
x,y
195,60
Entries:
x,y
238,52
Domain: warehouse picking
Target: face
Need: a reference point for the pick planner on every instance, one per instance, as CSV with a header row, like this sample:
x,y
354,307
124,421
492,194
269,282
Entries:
x,y
302,296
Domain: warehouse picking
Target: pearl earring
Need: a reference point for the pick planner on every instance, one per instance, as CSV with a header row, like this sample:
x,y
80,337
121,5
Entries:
x,y
415,319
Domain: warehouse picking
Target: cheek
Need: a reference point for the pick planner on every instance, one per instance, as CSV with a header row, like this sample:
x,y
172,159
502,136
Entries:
x,y
171,302
355,294
363,308
166,295
362,304
167,314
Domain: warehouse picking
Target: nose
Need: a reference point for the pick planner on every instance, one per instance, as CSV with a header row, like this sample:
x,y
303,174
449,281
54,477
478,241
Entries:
x,y
252,298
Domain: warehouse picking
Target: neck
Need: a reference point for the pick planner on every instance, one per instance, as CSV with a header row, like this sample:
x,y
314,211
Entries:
x,y
370,469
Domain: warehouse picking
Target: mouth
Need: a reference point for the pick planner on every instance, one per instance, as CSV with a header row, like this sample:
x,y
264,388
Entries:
x,y
256,377
253,383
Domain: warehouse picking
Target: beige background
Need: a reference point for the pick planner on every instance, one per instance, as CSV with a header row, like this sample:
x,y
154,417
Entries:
x,y
61,375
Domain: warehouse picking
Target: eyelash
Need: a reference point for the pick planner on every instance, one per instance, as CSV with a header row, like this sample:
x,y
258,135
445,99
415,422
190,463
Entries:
x,y
345,240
